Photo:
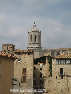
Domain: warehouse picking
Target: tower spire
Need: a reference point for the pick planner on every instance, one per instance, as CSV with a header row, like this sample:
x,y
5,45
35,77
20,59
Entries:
x,y
34,25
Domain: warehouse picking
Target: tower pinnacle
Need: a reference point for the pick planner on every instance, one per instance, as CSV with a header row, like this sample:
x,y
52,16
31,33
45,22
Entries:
x,y
34,25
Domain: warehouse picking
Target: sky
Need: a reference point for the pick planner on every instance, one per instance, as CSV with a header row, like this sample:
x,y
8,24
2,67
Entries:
x,y
52,17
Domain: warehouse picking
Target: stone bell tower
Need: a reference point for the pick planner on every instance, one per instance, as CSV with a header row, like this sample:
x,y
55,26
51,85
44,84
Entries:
x,y
34,38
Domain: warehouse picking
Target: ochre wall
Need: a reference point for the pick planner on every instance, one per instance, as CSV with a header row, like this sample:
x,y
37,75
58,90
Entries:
x,y
6,74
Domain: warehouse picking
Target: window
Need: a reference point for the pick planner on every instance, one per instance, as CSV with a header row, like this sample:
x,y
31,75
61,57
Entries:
x,y
40,75
35,38
31,37
23,79
61,73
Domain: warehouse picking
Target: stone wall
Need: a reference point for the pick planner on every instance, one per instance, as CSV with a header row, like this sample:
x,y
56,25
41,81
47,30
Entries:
x,y
8,47
25,62
61,86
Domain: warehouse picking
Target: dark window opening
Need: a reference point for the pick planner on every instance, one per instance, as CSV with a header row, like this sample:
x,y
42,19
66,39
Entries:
x,y
31,37
61,73
40,75
35,38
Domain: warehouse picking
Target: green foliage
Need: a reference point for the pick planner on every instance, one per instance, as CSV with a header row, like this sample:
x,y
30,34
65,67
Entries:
x,y
50,65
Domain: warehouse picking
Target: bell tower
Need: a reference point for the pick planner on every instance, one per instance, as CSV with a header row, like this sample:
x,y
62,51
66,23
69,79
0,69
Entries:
x,y
34,38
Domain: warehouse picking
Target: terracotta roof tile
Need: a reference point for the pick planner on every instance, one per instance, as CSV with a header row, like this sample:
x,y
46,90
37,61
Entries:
x,y
63,56
23,51
2,53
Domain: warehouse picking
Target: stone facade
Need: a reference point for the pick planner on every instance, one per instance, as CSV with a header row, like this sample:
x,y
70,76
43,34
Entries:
x,y
8,47
23,72
62,75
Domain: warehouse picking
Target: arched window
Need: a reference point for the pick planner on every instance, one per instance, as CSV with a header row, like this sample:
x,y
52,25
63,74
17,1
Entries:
x,y
31,37
35,38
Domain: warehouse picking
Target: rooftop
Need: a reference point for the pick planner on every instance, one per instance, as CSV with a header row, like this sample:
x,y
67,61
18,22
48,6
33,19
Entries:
x,y
9,55
23,51
63,56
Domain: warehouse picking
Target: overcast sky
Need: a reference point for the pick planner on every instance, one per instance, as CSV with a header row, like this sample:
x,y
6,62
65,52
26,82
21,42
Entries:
x,y
53,18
